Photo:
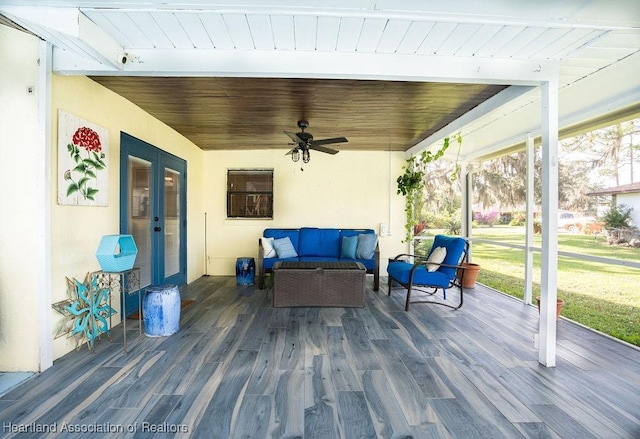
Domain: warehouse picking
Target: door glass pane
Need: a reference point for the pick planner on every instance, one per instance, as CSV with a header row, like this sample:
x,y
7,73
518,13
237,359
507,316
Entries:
x,y
171,222
139,224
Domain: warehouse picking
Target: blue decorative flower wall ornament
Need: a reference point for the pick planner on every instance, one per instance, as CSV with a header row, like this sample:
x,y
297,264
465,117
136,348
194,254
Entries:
x,y
86,312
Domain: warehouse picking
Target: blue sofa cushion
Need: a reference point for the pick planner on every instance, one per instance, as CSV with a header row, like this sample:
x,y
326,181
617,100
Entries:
x,y
284,248
401,271
293,234
319,242
348,247
269,263
369,264
356,233
318,259
366,245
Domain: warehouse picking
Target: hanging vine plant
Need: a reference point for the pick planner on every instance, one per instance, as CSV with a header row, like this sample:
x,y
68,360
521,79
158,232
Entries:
x,y
411,182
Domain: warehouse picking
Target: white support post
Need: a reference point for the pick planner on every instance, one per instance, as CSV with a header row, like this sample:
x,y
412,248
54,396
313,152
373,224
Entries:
x,y
549,275
466,201
42,261
528,256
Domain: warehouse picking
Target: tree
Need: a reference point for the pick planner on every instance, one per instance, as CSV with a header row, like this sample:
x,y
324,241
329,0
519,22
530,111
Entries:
x,y
609,151
585,163
573,187
501,182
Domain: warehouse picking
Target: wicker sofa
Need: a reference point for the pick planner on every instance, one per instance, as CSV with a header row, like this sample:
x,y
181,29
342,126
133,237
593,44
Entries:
x,y
313,244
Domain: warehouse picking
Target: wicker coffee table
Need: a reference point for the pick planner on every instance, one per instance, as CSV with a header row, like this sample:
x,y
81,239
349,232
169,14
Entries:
x,y
339,284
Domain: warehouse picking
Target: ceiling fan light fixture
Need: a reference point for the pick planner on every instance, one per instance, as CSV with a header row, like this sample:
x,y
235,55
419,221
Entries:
x,y
305,143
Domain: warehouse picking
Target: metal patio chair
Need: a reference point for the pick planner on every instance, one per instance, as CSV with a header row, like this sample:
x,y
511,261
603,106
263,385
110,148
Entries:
x,y
428,274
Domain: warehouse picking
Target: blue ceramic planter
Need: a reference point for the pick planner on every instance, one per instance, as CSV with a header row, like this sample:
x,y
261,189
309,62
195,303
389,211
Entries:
x,y
245,271
161,310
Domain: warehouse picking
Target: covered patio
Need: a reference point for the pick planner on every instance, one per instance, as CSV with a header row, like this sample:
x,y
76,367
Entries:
x,y
240,368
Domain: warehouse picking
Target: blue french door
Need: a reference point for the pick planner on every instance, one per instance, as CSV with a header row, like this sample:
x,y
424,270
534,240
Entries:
x,y
153,210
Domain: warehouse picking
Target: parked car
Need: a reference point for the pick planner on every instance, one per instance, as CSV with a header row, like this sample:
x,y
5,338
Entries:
x,y
564,219
571,223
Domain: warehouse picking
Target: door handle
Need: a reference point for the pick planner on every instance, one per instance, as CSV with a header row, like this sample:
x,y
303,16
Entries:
x,y
157,229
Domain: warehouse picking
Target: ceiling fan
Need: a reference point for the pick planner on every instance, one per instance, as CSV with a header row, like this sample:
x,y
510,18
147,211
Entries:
x,y
304,142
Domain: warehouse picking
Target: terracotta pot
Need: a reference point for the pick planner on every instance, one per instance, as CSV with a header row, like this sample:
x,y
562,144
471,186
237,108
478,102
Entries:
x,y
559,305
470,274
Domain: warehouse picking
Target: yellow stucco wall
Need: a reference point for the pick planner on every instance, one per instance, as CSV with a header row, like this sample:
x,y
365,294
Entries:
x,y
347,190
76,231
21,190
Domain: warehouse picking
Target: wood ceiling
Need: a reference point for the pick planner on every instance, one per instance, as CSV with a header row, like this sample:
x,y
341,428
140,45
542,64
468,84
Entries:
x,y
252,113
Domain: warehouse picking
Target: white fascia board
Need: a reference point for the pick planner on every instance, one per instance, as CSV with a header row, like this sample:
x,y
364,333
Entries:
x,y
69,29
607,91
598,109
334,65
484,109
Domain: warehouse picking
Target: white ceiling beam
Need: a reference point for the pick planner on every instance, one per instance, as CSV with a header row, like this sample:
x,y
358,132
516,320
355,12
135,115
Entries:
x,y
69,29
314,64
494,103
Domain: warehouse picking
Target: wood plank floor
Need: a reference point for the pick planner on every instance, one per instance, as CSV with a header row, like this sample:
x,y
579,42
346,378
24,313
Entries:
x,y
239,368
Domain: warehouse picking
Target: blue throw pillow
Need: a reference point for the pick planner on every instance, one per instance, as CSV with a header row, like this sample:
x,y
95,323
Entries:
x,y
366,245
349,245
284,248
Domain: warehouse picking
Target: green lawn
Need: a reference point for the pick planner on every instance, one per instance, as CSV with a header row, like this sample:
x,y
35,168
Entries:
x,y
600,296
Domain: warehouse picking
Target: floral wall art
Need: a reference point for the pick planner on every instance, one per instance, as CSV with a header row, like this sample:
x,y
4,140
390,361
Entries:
x,y
83,148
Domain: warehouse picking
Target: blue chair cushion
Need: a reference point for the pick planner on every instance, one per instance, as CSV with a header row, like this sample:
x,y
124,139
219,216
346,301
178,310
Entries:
x,y
401,272
319,242
455,248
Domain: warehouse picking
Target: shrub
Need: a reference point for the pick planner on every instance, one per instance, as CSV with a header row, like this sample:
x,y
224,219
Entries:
x,y
453,226
489,219
618,217
518,219
422,246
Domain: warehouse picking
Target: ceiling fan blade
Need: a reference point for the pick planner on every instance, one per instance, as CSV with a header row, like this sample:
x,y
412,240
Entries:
x,y
294,137
328,141
323,149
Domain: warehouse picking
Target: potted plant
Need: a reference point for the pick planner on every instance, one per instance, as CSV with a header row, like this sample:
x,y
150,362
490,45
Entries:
x,y
411,183
471,272
559,306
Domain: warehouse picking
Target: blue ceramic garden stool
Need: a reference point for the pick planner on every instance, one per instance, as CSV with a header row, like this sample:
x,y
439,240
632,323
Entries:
x,y
161,310
245,271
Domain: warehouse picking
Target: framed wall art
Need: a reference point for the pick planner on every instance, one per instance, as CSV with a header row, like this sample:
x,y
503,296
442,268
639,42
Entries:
x,y
83,153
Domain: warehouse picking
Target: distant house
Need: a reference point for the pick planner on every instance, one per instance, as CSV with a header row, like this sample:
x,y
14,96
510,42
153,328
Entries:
x,y
627,194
